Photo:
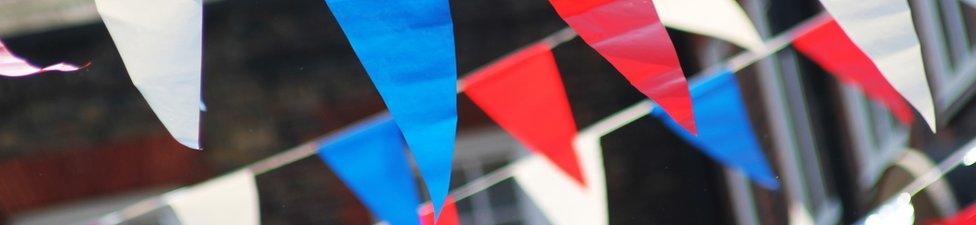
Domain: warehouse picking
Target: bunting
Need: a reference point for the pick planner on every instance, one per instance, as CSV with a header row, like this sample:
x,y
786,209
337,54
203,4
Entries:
x,y
407,48
372,161
558,196
161,45
725,133
524,94
722,19
230,199
449,215
630,36
13,66
884,31
827,45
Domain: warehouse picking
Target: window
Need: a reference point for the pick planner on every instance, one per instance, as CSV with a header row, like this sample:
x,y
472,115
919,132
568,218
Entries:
x,y
944,31
479,153
876,136
791,127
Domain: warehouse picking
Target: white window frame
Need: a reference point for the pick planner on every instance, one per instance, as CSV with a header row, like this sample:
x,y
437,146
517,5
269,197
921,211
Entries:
x,y
791,129
943,31
877,140
477,148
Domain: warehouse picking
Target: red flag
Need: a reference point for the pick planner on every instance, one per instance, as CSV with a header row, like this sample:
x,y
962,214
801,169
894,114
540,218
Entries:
x,y
965,217
449,215
630,36
524,94
828,45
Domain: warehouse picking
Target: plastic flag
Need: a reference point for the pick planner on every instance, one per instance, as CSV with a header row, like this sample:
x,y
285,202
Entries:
x,y
13,66
827,45
964,217
230,199
722,19
161,44
449,215
630,36
559,198
371,159
407,47
524,94
724,132
884,31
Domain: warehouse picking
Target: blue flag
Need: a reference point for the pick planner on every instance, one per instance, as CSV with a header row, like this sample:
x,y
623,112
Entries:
x,y
372,161
724,130
407,47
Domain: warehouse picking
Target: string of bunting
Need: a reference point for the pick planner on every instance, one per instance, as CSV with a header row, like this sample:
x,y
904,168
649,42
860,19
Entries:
x,y
303,151
418,82
514,170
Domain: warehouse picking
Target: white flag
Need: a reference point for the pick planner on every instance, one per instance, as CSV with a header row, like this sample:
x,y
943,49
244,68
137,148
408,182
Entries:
x,y
231,199
560,197
14,66
160,42
722,19
884,30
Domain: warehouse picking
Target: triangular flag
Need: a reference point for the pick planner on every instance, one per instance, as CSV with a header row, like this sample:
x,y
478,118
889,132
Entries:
x,y
964,217
13,66
372,161
724,130
449,215
230,199
561,200
884,31
722,19
558,196
161,43
827,45
524,94
407,47
630,36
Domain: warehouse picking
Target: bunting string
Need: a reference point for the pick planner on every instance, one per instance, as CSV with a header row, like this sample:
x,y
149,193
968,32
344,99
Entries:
x,y
965,155
954,161
600,128
311,148
607,125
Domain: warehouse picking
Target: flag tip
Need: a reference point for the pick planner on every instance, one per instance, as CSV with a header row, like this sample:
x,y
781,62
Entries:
x,y
932,127
195,145
929,117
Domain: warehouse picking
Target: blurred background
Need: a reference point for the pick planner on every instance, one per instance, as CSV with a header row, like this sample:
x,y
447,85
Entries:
x,y
279,73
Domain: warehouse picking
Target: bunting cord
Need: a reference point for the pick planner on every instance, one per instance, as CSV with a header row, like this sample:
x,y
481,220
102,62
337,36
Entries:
x,y
935,174
484,182
955,160
553,40
311,148
602,127
642,108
